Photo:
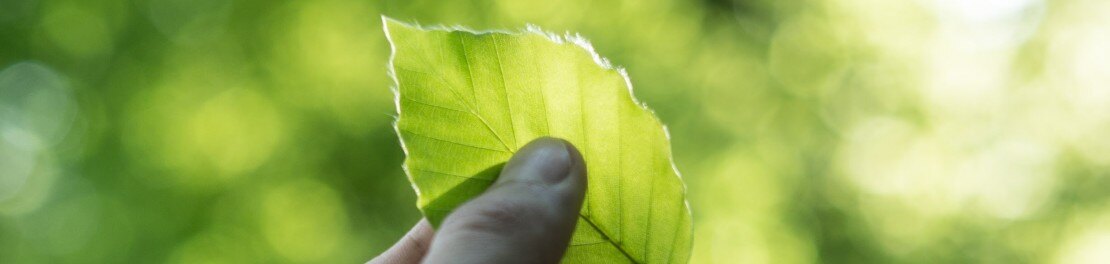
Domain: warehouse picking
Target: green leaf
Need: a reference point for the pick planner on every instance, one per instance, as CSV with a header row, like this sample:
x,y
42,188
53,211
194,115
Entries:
x,y
466,101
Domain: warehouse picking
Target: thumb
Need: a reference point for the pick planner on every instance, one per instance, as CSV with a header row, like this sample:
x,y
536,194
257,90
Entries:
x,y
527,216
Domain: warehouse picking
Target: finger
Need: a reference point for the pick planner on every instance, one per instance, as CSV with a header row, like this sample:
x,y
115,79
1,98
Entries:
x,y
527,216
410,249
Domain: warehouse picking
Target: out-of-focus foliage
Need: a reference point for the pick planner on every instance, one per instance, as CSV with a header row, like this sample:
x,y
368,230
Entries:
x,y
846,131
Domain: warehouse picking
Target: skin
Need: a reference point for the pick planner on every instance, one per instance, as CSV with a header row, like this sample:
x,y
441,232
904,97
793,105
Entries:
x,y
526,216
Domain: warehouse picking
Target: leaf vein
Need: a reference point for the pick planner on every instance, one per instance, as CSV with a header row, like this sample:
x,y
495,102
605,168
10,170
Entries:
x,y
504,86
450,141
463,100
453,174
606,237
435,105
474,94
588,244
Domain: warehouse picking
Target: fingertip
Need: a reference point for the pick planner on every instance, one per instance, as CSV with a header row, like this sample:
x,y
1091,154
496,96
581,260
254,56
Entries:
x,y
577,166
545,159
528,215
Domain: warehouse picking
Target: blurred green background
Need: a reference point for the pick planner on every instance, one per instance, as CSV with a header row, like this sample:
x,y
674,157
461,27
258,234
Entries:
x,y
840,131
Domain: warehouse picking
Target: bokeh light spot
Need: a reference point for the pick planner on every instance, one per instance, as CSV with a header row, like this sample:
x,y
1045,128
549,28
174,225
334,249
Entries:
x,y
17,159
36,99
77,31
36,112
1088,242
235,131
189,21
334,53
303,220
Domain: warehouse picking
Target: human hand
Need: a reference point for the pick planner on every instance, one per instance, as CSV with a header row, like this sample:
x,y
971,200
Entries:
x,y
526,216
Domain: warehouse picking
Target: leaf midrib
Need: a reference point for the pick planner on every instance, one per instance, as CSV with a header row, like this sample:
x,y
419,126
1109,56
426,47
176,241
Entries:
x,y
605,236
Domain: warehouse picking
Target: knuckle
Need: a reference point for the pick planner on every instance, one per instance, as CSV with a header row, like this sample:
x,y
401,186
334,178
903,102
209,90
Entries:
x,y
498,217
531,186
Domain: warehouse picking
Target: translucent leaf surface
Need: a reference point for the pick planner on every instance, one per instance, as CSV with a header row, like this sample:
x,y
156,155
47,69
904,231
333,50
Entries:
x,y
468,100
